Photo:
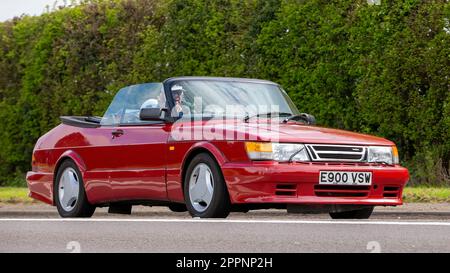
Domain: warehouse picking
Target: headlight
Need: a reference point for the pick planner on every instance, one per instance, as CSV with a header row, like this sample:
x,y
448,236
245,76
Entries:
x,y
379,154
276,151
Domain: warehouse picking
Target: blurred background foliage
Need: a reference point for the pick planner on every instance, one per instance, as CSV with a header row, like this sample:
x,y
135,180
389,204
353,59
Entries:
x,y
377,69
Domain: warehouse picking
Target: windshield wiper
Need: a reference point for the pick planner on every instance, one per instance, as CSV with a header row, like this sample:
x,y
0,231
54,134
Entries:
x,y
269,114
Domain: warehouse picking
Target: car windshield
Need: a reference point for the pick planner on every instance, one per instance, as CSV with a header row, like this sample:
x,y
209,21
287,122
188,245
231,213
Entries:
x,y
226,98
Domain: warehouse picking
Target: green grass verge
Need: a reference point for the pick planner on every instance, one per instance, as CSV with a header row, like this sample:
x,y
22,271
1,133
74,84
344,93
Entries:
x,y
426,194
11,195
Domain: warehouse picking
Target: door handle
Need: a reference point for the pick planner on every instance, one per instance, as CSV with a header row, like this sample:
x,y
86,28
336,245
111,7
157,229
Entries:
x,y
117,133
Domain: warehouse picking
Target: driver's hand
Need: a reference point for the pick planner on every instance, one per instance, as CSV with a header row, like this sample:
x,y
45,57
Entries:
x,y
178,107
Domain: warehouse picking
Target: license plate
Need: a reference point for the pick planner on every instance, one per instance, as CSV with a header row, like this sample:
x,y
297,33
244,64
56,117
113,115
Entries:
x,y
345,178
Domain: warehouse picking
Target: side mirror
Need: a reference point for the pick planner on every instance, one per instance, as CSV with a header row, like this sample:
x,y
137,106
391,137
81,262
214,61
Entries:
x,y
153,114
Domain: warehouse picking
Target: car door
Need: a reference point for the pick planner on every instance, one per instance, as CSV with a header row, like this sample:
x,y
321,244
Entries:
x,y
141,158
140,148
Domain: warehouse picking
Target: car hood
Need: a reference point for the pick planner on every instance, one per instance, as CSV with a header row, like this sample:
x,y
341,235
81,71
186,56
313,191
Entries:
x,y
294,132
276,132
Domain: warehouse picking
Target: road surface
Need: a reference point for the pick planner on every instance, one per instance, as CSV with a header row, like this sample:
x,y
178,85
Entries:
x,y
39,229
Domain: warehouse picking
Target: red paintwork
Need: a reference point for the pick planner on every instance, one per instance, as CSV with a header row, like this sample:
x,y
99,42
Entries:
x,y
139,165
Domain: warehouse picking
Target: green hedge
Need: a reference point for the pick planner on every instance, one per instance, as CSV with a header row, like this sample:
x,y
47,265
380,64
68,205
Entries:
x,y
381,70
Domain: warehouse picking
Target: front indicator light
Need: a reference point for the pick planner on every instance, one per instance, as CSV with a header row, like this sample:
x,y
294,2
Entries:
x,y
259,150
395,157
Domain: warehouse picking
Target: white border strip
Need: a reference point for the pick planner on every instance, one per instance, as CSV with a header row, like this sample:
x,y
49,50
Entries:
x,y
325,222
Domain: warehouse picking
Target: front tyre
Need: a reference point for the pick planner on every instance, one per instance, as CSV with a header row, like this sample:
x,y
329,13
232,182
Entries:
x,y
70,196
363,213
205,191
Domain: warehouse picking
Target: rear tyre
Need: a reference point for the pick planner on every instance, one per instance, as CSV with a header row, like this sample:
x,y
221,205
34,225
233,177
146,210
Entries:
x,y
205,191
69,193
364,213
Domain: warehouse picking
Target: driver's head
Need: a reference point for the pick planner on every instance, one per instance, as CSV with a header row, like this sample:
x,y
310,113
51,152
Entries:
x,y
177,93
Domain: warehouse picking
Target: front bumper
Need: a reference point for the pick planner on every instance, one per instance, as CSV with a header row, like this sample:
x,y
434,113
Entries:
x,y
297,183
40,186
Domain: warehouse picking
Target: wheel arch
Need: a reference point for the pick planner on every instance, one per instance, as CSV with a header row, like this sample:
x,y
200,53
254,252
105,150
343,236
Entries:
x,y
74,157
199,148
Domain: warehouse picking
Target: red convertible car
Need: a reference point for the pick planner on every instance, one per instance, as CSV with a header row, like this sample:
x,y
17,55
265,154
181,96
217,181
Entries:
x,y
211,146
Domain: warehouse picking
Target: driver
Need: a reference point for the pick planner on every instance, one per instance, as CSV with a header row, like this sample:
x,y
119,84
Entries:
x,y
179,110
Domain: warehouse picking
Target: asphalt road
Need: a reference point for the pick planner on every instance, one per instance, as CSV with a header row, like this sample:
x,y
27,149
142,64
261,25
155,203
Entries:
x,y
266,231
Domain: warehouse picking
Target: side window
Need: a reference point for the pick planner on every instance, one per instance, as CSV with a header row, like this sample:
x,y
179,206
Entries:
x,y
128,102
113,115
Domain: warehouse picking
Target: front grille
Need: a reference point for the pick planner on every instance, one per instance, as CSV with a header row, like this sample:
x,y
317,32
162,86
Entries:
x,y
344,153
341,191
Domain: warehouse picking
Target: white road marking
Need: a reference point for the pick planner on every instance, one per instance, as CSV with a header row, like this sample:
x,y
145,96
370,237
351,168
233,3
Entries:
x,y
329,222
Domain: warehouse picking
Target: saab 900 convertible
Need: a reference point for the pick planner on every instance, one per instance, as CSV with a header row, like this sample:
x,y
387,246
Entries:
x,y
177,144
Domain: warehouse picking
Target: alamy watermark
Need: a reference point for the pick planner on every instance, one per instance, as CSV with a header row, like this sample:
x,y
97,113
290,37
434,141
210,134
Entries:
x,y
74,247
374,247
229,122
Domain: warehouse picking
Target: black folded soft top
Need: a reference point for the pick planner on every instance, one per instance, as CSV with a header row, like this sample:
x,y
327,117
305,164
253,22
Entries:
x,y
79,121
